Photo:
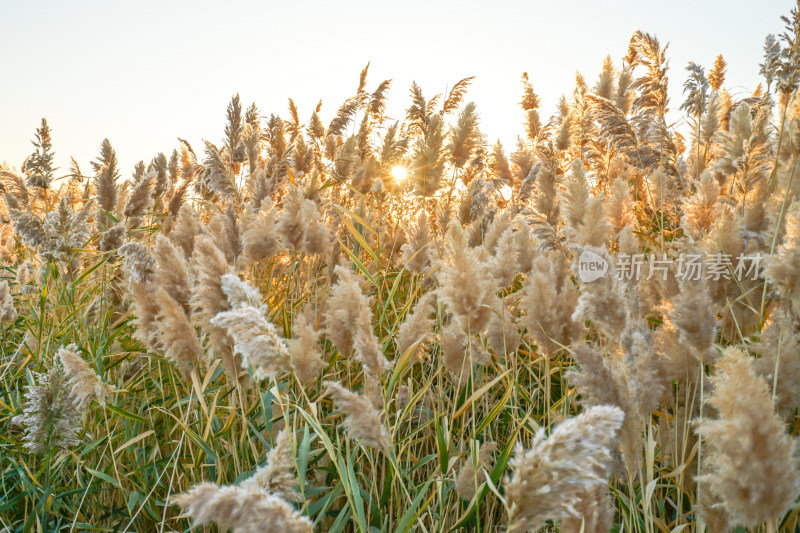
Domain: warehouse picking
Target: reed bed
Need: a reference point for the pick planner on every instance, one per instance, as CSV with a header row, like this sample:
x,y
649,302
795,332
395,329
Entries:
x,y
371,324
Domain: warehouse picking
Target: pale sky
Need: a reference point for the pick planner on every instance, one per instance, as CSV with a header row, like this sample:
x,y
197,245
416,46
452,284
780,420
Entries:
x,y
144,73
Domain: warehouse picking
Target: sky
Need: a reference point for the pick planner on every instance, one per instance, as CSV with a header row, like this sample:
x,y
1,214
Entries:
x,y
145,73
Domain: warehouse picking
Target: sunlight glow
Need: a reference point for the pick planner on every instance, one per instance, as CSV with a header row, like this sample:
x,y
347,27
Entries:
x,y
399,173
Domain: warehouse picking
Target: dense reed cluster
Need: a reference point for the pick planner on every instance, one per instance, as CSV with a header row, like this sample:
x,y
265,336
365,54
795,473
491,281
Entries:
x,y
394,324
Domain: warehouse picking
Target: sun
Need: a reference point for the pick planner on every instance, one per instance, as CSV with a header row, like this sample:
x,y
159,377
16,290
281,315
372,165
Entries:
x,y
399,173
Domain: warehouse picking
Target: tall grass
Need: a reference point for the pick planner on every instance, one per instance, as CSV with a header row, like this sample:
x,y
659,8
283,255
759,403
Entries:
x,y
385,326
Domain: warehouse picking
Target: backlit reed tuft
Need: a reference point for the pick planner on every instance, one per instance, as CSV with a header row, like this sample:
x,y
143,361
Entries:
x,y
415,253
549,301
418,325
239,293
139,262
557,473
278,476
261,240
362,421
7,311
468,477
305,356
465,285
172,275
751,464
51,416
243,508
84,383
348,323
175,333
256,339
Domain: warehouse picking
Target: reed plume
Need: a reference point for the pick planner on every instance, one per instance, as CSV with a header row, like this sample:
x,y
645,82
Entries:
x,y
171,273
245,509
7,311
369,353
417,326
261,240
584,214
511,256
293,222
460,352
40,165
51,416
139,262
428,156
783,268
305,357
549,302
717,75
83,382
209,265
28,227
175,333
415,253
468,477
595,513
225,229
347,311
278,476
141,197
603,302
693,317
208,299
239,293
633,379
502,333
186,230
362,421
550,480
256,339
465,287
751,463
465,136
702,209
145,309
106,182
112,238
779,363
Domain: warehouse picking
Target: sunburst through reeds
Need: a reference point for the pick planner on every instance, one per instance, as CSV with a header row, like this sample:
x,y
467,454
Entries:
x,y
397,325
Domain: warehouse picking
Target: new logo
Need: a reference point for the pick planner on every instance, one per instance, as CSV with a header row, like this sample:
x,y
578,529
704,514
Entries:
x,y
591,266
